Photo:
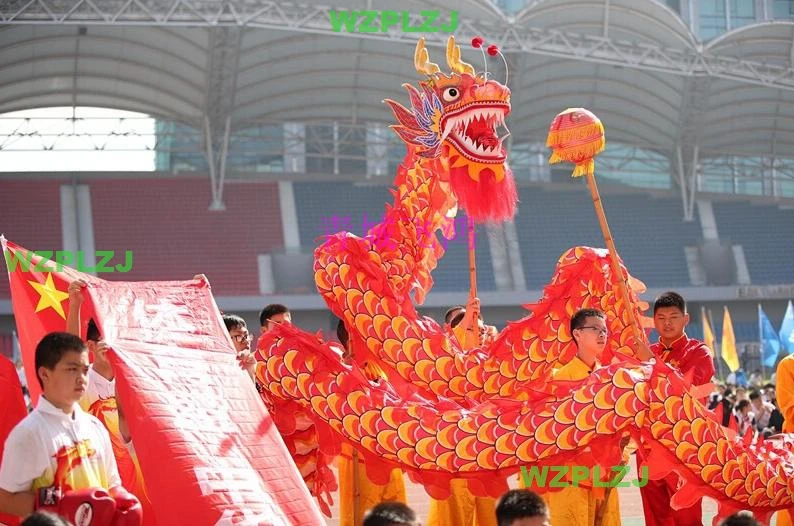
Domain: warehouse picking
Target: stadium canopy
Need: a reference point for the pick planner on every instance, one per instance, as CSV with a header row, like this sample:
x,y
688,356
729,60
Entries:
x,y
226,65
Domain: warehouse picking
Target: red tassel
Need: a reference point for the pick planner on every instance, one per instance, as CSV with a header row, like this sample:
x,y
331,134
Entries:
x,y
488,199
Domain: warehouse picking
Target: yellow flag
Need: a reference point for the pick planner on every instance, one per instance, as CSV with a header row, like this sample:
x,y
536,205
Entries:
x,y
729,343
708,334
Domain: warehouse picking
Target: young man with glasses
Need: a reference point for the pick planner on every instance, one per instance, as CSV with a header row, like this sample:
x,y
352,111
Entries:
x,y
238,331
577,506
241,338
693,359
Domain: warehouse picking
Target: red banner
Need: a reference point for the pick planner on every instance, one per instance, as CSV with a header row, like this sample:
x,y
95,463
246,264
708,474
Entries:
x,y
207,447
12,410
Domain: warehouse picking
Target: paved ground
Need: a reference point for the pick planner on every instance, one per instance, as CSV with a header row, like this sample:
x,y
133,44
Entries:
x,y
630,504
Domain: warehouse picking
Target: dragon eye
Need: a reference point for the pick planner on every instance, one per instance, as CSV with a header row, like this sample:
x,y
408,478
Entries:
x,y
451,94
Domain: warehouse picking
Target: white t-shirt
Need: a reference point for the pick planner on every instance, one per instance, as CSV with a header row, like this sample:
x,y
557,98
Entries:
x,y
52,448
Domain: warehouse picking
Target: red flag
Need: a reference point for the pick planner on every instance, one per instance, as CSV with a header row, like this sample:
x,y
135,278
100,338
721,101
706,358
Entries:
x,y
39,300
12,410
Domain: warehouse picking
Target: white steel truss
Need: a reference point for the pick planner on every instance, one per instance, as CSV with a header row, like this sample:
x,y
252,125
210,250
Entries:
x,y
512,36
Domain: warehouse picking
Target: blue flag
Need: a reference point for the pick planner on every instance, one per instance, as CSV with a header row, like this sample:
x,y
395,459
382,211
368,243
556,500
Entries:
x,y
787,329
770,341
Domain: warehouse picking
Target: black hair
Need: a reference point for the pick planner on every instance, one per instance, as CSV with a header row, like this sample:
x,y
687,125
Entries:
x,y
92,333
341,333
740,519
519,504
233,321
52,347
271,310
455,321
450,314
670,299
44,518
390,514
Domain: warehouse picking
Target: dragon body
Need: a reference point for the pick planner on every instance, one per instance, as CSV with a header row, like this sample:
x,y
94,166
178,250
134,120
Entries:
x,y
442,411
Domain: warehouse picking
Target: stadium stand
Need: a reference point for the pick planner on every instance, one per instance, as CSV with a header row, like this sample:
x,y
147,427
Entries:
x,y
649,233
166,224
767,235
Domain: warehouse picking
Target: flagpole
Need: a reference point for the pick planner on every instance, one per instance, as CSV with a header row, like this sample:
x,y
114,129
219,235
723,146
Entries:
x,y
705,322
717,352
761,346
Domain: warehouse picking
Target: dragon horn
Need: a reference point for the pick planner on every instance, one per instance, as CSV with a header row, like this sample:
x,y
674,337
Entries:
x,y
422,60
454,61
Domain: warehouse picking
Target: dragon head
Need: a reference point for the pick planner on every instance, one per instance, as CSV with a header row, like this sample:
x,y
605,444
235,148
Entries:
x,y
455,118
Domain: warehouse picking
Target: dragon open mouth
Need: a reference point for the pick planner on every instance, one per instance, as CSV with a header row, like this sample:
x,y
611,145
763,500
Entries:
x,y
472,129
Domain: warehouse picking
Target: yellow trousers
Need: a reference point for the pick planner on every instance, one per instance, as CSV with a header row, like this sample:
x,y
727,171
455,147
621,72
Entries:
x,y
352,478
573,506
462,508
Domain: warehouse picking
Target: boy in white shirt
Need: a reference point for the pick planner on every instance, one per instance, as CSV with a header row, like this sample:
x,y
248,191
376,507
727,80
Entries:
x,y
59,458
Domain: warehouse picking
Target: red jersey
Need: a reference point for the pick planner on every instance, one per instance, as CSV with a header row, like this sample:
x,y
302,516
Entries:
x,y
687,354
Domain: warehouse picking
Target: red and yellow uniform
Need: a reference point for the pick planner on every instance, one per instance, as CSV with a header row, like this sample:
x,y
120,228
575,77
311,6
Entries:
x,y
577,506
690,357
353,476
785,401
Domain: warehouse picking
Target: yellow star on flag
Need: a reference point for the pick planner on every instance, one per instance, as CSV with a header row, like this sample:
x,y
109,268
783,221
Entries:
x,y
50,296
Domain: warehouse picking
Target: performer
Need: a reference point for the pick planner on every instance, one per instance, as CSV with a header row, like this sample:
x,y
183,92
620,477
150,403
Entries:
x,y
461,507
690,357
59,458
577,506
785,401
467,326
272,315
357,493
241,338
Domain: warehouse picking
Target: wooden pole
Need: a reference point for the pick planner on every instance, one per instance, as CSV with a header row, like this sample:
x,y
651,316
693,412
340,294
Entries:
x,y
472,261
473,326
357,518
644,352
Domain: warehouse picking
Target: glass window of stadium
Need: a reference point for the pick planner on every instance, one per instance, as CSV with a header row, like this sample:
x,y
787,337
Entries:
x,y
719,16
783,9
511,6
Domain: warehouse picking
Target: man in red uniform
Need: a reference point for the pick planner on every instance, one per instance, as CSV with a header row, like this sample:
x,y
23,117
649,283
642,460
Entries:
x,y
690,357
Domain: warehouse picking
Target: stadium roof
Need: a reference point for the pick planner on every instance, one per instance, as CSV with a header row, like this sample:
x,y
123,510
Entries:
x,y
210,63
